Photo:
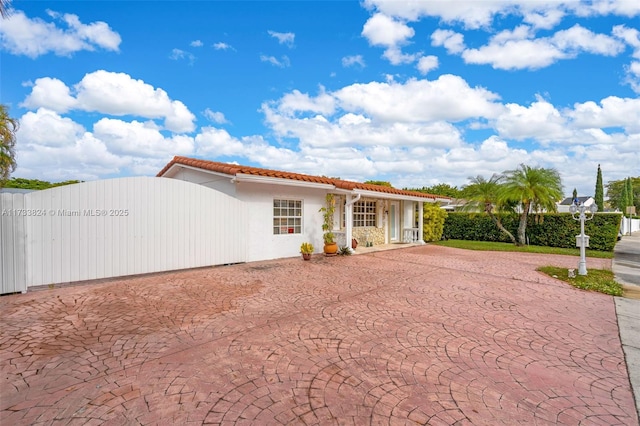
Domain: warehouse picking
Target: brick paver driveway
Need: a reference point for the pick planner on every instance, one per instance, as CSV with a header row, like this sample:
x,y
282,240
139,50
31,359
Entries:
x,y
422,335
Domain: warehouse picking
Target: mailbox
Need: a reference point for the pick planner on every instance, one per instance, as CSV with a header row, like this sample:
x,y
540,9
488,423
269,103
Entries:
x,y
579,240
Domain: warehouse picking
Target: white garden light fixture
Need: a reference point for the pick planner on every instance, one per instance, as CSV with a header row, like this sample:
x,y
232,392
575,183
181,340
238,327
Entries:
x,y
580,212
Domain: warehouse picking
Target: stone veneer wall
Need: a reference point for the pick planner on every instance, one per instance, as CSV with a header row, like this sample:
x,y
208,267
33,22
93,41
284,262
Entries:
x,y
372,234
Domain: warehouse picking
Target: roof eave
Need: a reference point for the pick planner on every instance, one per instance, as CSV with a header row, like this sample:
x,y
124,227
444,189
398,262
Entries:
x,y
241,177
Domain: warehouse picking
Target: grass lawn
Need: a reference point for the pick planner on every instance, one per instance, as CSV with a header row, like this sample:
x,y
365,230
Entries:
x,y
491,246
596,279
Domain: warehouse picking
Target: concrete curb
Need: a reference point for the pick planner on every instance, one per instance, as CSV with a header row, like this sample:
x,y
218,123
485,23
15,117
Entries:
x,y
626,269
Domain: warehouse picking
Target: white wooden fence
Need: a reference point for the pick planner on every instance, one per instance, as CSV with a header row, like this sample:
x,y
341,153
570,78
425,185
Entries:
x,y
628,225
116,227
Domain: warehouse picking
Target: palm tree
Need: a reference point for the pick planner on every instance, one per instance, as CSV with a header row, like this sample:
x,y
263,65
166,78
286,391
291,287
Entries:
x,y
534,188
485,195
4,8
8,128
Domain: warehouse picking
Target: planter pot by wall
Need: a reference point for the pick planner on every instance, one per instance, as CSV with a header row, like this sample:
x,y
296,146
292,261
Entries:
x,y
331,248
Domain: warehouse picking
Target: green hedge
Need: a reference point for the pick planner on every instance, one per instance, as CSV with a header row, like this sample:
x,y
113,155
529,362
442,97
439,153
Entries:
x,y
551,229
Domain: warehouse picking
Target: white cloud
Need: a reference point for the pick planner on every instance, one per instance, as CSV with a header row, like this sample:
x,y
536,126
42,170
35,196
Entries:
x,y
215,116
294,102
222,46
64,147
612,111
473,14
115,94
139,139
349,61
544,18
196,43
178,54
633,76
119,94
631,36
540,120
21,35
46,128
283,62
50,93
518,49
447,98
283,38
579,39
381,30
452,41
480,14
427,64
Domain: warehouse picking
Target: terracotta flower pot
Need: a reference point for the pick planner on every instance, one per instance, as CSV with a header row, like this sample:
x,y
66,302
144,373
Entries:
x,y
331,248
306,256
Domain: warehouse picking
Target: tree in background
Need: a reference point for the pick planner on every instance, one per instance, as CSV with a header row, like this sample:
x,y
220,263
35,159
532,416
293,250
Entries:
x,y
8,129
534,188
4,8
624,197
379,182
575,194
35,184
615,188
630,196
599,194
440,189
484,195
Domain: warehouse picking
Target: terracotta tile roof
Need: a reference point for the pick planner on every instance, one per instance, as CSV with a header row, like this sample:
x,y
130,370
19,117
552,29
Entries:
x,y
234,169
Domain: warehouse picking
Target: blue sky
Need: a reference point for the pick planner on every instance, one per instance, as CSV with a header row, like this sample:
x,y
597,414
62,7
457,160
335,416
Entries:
x,y
415,93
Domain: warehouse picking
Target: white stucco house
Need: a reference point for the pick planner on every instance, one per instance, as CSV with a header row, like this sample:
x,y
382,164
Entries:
x,y
195,213
563,206
283,207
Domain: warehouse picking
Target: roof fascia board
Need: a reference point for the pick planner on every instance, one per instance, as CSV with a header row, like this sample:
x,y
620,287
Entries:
x,y
240,177
175,168
376,194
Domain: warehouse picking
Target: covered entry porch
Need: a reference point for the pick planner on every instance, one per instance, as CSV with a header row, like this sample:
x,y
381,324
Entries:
x,y
378,222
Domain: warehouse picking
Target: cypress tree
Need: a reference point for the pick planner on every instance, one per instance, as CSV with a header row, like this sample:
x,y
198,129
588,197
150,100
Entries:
x,y
623,197
575,194
630,198
599,194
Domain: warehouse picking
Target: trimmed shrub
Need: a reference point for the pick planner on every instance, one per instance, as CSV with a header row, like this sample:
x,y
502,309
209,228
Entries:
x,y
550,229
433,221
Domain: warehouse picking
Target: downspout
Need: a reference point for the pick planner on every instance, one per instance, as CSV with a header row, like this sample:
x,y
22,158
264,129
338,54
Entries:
x,y
348,215
421,222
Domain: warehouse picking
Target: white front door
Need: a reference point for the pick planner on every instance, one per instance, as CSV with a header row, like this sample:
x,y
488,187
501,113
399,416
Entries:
x,y
394,222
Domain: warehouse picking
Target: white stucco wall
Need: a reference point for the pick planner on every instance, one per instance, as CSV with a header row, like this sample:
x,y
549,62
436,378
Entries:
x,y
264,244
215,181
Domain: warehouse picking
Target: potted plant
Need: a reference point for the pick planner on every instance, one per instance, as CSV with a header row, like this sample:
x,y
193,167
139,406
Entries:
x,y
330,245
306,249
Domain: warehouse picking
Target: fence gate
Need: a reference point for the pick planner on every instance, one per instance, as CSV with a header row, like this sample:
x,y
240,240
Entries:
x,y
12,244
117,227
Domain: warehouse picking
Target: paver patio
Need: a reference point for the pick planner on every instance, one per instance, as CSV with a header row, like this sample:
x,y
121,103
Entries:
x,y
421,335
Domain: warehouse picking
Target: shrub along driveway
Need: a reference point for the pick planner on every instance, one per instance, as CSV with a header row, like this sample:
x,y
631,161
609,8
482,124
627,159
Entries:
x,y
431,335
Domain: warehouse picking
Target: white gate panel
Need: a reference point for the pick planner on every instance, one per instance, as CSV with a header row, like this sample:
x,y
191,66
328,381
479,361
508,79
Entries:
x,y
12,244
129,226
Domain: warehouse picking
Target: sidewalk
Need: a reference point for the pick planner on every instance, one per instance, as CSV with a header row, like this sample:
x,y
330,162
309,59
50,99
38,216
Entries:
x,y
626,268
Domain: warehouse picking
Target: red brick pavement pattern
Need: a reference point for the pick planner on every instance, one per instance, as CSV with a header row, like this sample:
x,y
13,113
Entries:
x,y
422,335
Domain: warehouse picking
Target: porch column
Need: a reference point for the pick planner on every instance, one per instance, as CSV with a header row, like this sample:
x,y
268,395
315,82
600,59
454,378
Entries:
x,y
348,218
421,222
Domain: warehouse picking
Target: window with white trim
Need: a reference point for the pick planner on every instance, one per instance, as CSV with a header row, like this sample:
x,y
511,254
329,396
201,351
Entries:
x,y
287,217
364,213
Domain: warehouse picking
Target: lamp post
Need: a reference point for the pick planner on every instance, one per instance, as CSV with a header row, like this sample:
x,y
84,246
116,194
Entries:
x,y
582,240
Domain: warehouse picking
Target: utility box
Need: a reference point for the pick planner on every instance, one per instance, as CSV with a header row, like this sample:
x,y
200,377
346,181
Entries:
x,y
579,240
